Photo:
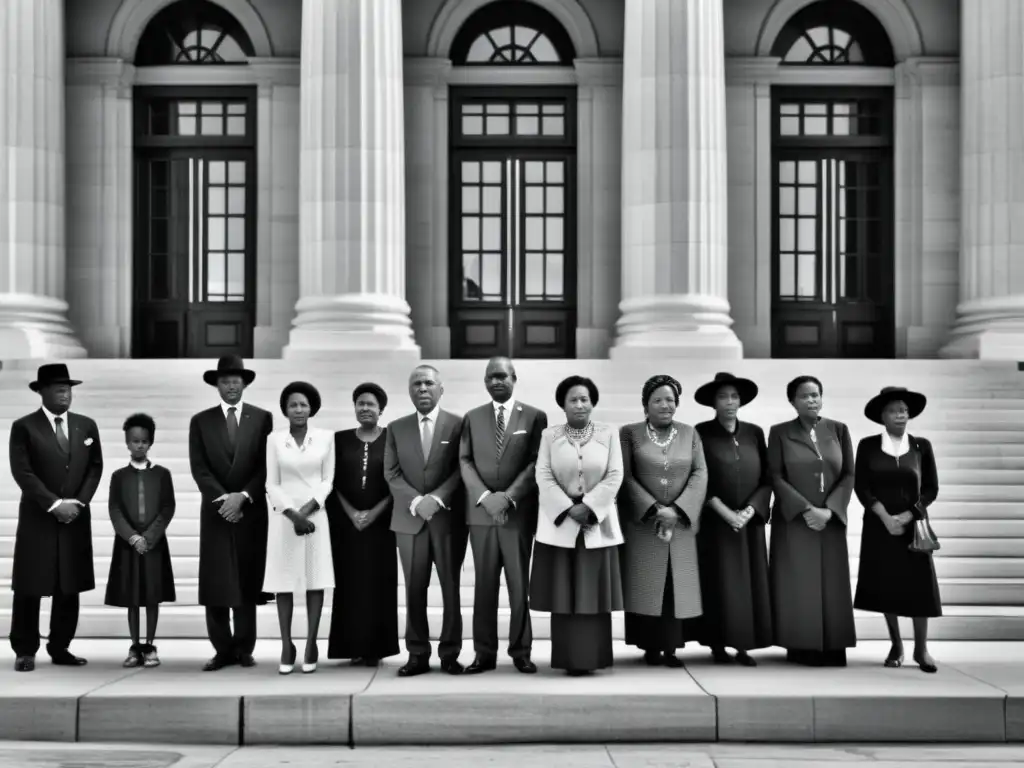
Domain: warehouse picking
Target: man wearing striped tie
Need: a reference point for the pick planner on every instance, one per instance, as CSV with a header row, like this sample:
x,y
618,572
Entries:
x,y
500,441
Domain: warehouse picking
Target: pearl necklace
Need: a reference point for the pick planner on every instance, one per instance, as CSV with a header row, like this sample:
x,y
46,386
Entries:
x,y
580,436
652,435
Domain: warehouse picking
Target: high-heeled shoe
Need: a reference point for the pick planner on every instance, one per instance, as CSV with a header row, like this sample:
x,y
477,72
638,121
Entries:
x,y
287,669
309,666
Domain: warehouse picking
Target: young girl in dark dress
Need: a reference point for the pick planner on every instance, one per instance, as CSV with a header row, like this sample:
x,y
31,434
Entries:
x,y
141,506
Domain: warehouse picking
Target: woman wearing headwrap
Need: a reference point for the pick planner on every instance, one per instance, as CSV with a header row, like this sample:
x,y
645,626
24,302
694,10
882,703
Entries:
x,y
663,487
731,544
364,619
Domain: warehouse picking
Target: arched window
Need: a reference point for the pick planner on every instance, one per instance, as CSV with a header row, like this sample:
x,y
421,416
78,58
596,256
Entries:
x,y
512,33
193,32
834,32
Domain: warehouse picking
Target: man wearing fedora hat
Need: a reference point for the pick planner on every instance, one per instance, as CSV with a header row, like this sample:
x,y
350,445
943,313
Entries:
x,y
57,462
227,449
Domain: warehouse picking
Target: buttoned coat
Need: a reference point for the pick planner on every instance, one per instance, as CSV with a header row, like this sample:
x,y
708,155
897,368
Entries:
x,y
47,553
513,472
409,476
676,479
232,556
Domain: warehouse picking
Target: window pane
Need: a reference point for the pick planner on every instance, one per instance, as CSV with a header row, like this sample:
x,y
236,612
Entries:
x,y
470,171
236,126
787,172
236,200
216,282
787,275
471,276
527,125
789,126
492,172
497,125
471,200
807,274
815,126
492,275
217,171
236,172
236,275
554,276
213,126
186,126
554,126
470,233
807,234
492,200
808,171
808,201
554,234
787,235
787,201
533,283
236,234
480,50
492,234
556,202
216,239
534,172
215,200
472,125
534,200
534,233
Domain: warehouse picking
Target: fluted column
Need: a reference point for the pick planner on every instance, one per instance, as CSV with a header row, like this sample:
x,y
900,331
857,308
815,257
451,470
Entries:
x,y
33,307
674,193
351,183
990,316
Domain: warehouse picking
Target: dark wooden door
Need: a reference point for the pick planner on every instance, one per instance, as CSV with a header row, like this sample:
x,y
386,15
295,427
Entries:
x,y
194,279
513,253
832,266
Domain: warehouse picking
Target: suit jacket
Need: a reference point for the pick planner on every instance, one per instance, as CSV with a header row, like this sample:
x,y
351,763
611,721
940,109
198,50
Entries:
x,y
409,476
513,473
232,556
49,554
800,478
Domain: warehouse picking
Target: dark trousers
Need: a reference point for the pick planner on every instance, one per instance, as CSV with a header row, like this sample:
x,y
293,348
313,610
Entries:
x,y
25,623
439,547
226,644
496,547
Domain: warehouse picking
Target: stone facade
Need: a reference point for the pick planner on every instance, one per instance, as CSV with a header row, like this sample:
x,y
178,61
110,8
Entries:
x,y
673,213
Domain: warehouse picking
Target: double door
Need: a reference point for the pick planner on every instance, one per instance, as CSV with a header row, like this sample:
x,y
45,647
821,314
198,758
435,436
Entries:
x,y
513,253
194,253
832,267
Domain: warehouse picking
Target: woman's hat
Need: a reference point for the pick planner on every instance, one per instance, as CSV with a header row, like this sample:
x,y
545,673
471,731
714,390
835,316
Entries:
x,y
706,394
303,388
229,365
915,402
52,373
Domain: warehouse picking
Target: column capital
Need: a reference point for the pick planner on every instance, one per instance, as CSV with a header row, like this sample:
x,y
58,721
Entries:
x,y
598,72
103,71
426,70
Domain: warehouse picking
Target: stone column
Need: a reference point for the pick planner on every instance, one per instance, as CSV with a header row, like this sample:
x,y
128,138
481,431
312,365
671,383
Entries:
x,y
33,310
990,316
674,184
351,183
99,203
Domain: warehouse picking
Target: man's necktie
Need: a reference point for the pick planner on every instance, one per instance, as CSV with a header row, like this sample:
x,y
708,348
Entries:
x,y
427,437
499,431
62,436
232,427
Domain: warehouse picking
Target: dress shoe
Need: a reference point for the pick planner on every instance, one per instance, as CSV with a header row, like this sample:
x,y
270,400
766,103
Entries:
x,y
925,664
671,660
67,659
25,664
450,664
524,665
744,659
721,656
309,662
246,660
219,662
482,664
652,658
416,665
287,667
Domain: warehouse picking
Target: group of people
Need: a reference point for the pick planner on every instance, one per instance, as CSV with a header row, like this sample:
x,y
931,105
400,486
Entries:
x,y
660,519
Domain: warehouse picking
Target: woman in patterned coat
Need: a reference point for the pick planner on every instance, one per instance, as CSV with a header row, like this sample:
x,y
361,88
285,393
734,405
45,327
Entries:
x,y
662,495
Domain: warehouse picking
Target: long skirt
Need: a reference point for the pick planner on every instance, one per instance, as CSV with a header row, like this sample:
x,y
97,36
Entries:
x,y
891,578
137,580
580,588
659,633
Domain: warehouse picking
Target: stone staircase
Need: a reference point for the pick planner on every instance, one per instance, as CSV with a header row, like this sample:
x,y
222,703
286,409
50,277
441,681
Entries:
x,y
975,420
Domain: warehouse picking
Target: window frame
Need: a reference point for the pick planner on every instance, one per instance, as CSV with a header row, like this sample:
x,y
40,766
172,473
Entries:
x,y
508,13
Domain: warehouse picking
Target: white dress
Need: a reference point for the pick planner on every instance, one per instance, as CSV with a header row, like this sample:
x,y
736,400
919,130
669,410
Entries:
x,y
296,474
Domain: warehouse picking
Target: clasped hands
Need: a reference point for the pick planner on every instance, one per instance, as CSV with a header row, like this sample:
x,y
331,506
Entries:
x,y
581,513
739,518
497,506
68,510
817,518
897,524
230,506
300,518
139,544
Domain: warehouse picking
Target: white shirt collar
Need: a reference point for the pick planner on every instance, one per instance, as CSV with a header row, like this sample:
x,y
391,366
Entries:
x,y
289,441
51,417
509,406
432,416
903,448
237,406
139,465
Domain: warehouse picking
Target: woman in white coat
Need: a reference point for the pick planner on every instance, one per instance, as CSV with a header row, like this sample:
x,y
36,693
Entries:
x,y
300,471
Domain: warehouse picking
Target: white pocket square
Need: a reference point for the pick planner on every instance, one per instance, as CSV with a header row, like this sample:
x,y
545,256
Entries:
x,y
444,442
88,441
519,432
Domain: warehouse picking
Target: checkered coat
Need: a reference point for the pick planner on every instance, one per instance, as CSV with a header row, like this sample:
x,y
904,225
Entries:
x,y
677,478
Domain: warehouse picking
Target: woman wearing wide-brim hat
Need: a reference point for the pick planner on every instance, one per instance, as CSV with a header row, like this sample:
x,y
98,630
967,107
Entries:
x,y
731,545
896,481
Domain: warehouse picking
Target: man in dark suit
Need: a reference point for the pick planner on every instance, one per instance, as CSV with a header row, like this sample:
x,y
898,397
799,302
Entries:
x,y
57,462
227,450
421,465
498,455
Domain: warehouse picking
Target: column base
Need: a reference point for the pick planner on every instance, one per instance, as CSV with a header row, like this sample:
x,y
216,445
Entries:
x,y
687,327
363,325
988,329
36,328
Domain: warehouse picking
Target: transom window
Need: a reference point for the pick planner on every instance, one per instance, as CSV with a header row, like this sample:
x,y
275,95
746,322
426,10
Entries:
x,y
862,117
512,33
521,119
834,32
193,32
196,117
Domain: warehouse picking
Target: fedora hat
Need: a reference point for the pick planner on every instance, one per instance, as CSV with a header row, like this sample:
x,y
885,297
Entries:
x,y
706,393
229,365
52,373
915,402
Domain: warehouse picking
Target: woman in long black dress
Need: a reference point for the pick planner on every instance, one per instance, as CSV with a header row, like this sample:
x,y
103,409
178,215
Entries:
x,y
896,481
731,543
364,618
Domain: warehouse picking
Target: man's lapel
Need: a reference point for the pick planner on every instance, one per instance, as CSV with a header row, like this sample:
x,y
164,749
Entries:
x,y
440,425
47,435
511,422
246,425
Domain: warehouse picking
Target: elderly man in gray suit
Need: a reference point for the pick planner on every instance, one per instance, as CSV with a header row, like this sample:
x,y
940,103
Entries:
x,y
421,465
500,441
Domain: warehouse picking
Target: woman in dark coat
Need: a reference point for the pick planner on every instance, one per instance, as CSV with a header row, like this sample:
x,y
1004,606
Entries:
x,y
811,460
731,544
664,481
896,481
364,618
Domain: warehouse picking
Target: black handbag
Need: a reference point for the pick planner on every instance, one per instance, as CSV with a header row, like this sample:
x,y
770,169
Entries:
x,y
925,541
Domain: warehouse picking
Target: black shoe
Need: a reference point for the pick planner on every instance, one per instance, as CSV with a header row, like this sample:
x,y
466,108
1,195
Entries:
x,y
524,665
246,660
744,659
480,664
671,660
720,656
653,658
416,665
67,659
450,664
25,664
219,662
925,666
